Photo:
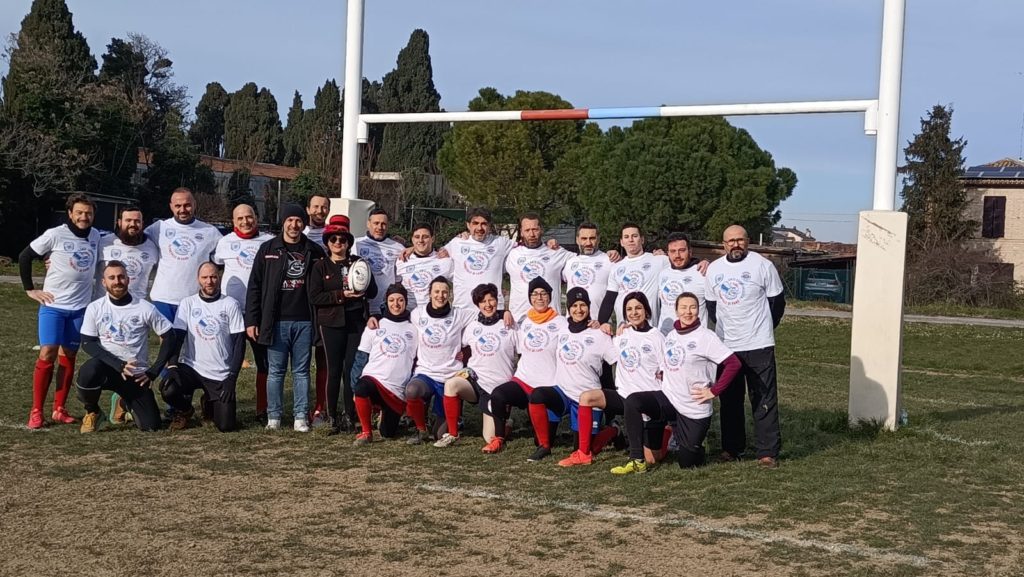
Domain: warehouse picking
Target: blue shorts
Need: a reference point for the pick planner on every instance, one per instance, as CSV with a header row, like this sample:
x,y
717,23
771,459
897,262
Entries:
x,y
573,409
438,403
166,309
60,327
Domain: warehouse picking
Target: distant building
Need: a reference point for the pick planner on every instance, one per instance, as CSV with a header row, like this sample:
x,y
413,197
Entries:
x,y
783,236
996,193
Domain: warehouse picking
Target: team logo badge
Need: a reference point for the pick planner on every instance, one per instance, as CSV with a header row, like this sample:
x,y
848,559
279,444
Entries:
x,y
745,276
477,262
583,277
246,258
570,351
692,345
632,280
392,346
536,340
674,357
488,343
81,260
670,291
629,358
730,291
235,246
434,335
208,327
69,247
531,270
182,248
115,253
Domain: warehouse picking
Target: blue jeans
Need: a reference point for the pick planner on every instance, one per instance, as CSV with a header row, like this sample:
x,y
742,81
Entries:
x,y
294,339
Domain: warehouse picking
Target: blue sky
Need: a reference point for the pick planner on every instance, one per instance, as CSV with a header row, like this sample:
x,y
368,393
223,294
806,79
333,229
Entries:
x,y
642,53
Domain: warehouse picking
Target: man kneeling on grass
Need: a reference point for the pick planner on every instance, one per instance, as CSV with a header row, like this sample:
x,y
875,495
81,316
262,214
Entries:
x,y
115,333
210,336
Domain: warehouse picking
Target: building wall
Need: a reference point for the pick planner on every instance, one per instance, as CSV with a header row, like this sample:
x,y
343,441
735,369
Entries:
x,y
1010,248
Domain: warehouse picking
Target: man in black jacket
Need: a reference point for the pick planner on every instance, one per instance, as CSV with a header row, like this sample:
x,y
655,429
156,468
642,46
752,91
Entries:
x,y
278,313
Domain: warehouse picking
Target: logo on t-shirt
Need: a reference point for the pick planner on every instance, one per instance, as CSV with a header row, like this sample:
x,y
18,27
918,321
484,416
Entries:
x,y
476,262
392,345
435,334
531,270
536,340
570,351
674,356
671,290
583,277
730,291
208,327
631,280
81,260
246,257
487,343
133,266
629,358
182,248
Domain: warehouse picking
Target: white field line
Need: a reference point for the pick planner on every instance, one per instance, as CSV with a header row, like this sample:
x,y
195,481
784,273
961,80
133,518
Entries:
x,y
953,439
692,524
21,427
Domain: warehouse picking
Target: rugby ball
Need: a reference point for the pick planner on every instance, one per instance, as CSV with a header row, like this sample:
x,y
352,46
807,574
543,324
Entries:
x,y
359,276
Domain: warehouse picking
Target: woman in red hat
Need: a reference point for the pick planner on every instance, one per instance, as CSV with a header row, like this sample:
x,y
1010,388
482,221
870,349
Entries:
x,y
341,315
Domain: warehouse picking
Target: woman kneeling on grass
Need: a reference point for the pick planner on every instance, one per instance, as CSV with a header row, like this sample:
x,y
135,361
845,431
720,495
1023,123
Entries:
x,y
535,342
492,347
392,349
638,350
579,351
691,356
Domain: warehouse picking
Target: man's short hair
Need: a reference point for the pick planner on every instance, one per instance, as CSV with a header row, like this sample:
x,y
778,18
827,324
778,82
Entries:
x,y
586,226
309,201
127,208
480,212
79,198
377,211
631,225
182,189
115,264
422,226
529,216
676,237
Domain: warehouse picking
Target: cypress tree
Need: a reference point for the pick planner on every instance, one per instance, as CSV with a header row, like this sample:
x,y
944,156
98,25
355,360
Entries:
x,y
295,133
207,133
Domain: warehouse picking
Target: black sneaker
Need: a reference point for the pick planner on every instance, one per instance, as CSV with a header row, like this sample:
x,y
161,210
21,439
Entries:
x,y
539,454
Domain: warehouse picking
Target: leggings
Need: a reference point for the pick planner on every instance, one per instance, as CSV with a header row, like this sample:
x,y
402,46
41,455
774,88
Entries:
x,y
340,347
503,397
95,376
180,397
689,432
369,389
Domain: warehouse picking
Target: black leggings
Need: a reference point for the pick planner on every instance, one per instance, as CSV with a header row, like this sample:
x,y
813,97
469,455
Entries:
x,y
95,376
689,433
340,347
180,397
503,397
389,419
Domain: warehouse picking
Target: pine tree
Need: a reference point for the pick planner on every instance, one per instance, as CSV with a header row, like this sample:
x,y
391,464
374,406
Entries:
x,y
933,195
207,133
410,88
295,133
252,127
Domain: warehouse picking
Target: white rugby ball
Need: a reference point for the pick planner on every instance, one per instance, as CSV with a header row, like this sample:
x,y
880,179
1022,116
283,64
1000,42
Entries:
x,y
359,276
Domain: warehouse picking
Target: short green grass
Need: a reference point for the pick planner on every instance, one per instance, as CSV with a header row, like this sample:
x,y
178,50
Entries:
x,y
948,488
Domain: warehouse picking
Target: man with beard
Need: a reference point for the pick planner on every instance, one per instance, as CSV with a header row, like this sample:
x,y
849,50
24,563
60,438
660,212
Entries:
x,y
236,252
745,298
532,259
589,270
317,209
115,333
478,259
421,266
682,276
210,343
72,249
129,245
185,242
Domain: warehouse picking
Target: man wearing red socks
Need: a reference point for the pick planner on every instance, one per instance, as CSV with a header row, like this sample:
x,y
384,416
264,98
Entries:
x,y
67,289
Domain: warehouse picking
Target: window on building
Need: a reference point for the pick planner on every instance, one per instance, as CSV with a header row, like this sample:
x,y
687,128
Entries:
x,y
993,218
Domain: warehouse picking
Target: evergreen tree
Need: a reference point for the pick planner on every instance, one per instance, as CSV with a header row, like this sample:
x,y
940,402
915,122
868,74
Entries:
x,y
410,88
239,189
207,132
322,154
295,133
252,127
175,162
933,195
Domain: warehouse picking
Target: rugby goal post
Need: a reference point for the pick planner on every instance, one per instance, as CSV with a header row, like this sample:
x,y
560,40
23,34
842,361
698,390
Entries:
x,y
877,329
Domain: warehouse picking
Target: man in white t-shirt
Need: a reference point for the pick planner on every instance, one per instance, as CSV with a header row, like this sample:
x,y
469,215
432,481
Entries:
x,y
590,270
477,260
129,245
683,275
236,252
210,343
115,333
637,271
529,260
317,208
745,298
72,249
421,266
185,242
381,252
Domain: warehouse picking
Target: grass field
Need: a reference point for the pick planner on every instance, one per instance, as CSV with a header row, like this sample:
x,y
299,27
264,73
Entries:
x,y
942,496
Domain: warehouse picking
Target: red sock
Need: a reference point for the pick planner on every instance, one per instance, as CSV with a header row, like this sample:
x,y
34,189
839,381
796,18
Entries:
x,y
321,389
452,412
603,437
541,428
261,393
41,378
417,410
666,436
65,376
585,423
364,408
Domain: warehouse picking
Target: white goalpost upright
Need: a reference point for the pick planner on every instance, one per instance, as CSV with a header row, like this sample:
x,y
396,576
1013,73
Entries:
x,y
877,331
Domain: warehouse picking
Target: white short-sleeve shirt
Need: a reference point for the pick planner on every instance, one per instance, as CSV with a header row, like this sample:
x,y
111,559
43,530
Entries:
x,y
138,259
638,273
688,359
493,355
237,255
536,344
392,352
207,347
72,269
525,264
440,339
637,361
416,273
674,282
124,330
183,249
741,289
381,255
578,360
589,272
476,263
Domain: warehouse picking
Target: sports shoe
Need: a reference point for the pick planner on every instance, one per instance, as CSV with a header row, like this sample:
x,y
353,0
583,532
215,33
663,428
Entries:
x,y
633,466
273,424
318,420
727,457
768,463
301,426
577,458
60,415
362,439
446,440
538,454
495,446
90,422
35,419
118,414
418,438
181,419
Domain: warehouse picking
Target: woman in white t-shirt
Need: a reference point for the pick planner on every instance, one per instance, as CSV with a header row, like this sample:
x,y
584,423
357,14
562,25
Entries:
x,y
579,352
691,356
638,350
492,359
391,351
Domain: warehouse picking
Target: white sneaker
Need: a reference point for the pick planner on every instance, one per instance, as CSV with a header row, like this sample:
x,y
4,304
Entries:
x,y
301,426
273,424
446,440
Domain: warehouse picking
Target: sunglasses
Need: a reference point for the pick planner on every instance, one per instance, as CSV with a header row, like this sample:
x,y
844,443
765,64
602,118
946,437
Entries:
x,y
337,240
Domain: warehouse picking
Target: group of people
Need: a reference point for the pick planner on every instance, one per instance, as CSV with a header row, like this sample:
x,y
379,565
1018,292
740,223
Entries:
x,y
429,332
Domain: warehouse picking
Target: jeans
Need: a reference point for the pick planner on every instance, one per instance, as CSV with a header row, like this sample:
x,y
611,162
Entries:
x,y
294,339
